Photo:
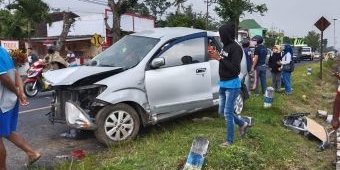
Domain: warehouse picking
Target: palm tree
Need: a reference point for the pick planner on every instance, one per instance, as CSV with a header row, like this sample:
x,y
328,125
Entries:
x,y
30,12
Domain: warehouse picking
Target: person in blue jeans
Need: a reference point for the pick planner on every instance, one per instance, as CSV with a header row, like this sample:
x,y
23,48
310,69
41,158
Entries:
x,y
230,84
286,75
259,64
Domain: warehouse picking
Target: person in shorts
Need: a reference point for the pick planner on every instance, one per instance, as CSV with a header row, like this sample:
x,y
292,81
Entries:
x,y
11,94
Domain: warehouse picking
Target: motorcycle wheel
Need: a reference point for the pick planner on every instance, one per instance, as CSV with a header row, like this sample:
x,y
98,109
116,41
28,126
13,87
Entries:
x,y
28,89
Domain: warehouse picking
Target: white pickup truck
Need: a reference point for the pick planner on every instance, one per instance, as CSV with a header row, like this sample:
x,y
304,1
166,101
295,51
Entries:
x,y
306,53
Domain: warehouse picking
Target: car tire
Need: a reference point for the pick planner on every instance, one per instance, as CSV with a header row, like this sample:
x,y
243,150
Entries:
x,y
116,123
239,104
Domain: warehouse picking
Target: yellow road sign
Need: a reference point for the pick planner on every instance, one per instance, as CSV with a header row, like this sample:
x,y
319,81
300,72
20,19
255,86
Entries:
x,y
97,40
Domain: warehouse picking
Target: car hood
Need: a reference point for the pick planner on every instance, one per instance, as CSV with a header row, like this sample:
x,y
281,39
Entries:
x,y
71,75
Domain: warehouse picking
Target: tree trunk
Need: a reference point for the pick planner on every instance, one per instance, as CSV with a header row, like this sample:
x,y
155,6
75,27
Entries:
x,y
237,23
115,29
116,32
67,23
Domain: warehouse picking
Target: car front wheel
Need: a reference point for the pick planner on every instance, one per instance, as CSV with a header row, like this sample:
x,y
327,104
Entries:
x,y
117,123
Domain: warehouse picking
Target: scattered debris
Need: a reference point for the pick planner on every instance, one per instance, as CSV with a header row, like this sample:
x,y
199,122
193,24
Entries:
x,y
198,149
72,133
78,154
62,156
249,120
268,97
321,114
308,127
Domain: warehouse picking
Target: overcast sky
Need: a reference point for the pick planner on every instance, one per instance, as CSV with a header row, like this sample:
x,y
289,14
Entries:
x,y
294,17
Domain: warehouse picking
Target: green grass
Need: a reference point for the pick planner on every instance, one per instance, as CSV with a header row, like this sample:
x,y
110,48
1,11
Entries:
x,y
268,144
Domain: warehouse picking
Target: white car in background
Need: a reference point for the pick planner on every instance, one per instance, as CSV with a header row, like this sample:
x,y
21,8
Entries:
x,y
142,79
306,53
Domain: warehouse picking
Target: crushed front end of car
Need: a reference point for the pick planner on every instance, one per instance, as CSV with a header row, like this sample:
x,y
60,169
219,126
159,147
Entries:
x,y
74,98
76,105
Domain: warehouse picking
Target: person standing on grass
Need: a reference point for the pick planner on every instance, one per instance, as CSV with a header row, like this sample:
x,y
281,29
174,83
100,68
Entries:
x,y
286,75
259,64
11,94
275,67
230,84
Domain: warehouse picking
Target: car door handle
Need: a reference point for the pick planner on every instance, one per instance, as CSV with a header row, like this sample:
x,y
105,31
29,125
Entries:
x,y
200,70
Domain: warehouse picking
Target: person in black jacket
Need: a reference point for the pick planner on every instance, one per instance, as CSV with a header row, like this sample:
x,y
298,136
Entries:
x,y
230,84
275,67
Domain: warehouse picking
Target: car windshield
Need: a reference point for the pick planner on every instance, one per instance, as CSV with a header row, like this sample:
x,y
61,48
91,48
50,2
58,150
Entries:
x,y
125,53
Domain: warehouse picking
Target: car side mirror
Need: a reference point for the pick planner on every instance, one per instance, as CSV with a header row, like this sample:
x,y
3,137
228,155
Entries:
x,y
158,62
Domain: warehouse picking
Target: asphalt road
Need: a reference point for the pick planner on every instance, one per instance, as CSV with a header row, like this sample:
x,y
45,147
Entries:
x,y
34,126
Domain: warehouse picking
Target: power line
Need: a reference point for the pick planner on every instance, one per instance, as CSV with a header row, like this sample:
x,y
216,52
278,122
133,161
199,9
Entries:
x,y
98,2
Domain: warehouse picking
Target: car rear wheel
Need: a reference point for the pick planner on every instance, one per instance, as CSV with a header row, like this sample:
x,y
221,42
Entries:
x,y
117,123
239,104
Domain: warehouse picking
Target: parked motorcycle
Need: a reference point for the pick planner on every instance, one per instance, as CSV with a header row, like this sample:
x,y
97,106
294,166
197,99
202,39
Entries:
x,y
35,81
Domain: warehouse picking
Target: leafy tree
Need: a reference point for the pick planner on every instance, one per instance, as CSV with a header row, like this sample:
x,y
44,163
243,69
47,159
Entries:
x,y
157,7
269,41
141,9
118,7
313,40
10,25
232,10
31,12
186,19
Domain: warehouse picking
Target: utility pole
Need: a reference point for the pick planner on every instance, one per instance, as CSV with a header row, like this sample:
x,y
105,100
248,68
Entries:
x,y
207,20
334,32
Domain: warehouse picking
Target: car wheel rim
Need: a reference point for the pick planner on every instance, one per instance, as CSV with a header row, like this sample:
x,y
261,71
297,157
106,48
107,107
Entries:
x,y
30,90
238,104
119,125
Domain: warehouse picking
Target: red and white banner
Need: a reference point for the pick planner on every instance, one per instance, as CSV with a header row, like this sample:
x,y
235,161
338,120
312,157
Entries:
x,y
10,45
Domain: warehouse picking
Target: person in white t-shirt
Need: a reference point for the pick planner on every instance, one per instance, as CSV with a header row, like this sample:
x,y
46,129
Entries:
x,y
70,57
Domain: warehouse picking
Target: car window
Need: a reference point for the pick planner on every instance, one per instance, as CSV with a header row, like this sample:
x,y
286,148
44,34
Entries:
x,y
186,52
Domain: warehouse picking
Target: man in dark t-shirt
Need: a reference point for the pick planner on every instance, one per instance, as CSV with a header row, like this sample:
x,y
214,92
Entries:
x,y
259,64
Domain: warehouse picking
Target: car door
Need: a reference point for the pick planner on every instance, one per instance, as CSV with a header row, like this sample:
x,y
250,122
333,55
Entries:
x,y
183,83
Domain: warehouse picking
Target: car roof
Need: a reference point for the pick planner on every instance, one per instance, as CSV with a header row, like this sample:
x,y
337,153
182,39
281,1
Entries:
x,y
172,32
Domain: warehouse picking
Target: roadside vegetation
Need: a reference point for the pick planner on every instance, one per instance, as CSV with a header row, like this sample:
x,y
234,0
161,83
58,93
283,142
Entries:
x,y
267,145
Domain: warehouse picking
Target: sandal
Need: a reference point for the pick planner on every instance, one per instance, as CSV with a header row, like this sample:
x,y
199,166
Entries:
x,y
33,160
225,144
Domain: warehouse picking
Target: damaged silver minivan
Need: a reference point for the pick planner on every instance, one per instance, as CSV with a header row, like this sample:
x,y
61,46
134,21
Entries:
x,y
142,79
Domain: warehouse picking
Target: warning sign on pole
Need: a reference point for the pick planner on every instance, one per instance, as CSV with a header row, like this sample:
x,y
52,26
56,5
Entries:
x,y
322,23
97,40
